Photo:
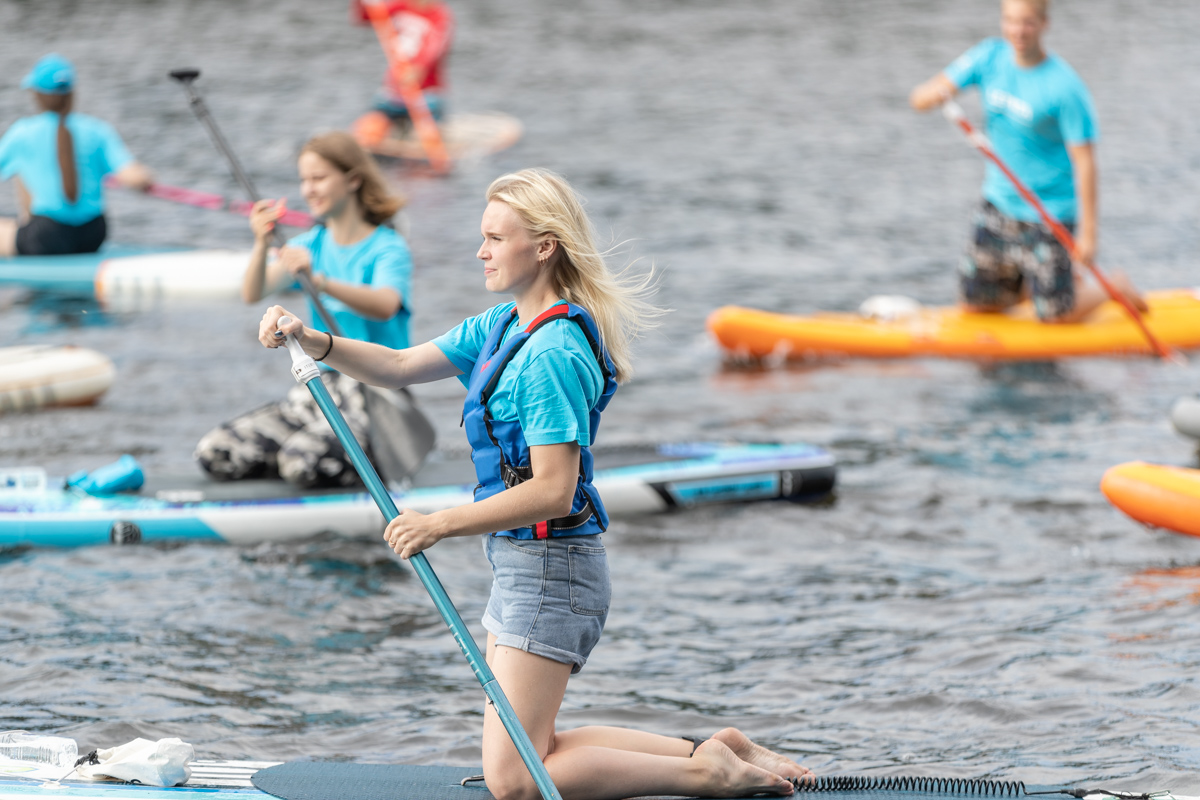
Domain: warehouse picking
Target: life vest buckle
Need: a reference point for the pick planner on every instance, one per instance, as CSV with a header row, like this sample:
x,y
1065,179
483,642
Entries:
x,y
514,476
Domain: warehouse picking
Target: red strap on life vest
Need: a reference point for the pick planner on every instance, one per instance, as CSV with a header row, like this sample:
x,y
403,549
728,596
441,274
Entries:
x,y
542,530
560,310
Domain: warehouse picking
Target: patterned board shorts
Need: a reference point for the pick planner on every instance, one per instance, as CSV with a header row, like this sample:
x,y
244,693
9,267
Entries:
x,y
1008,260
289,439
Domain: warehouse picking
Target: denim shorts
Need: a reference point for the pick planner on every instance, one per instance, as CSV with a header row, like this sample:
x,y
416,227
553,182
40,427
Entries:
x,y
549,596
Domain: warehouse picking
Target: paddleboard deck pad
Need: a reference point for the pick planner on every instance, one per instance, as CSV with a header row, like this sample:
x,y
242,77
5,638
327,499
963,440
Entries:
x,y
324,780
38,511
951,332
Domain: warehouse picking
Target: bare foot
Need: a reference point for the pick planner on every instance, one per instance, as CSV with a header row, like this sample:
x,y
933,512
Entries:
x,y
730,776
760,756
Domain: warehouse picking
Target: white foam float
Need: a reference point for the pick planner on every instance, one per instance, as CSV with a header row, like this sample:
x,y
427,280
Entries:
x,y
33,376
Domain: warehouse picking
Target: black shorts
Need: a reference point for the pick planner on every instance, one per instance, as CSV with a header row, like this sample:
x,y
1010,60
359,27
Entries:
x,y
42,236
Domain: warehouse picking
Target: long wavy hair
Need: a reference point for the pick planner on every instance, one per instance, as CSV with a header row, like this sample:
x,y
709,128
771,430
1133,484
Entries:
x,y
548,206
377,202
61,104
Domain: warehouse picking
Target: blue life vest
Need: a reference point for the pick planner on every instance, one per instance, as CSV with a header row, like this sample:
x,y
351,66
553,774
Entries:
x,y
498,447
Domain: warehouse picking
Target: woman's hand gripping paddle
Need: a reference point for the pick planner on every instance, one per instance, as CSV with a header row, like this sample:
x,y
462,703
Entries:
x,y
305,371
401,435
402,75
954,113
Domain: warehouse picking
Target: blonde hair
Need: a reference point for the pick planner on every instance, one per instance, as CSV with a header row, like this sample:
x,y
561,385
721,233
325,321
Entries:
x,y
1041,7
377,202
548,206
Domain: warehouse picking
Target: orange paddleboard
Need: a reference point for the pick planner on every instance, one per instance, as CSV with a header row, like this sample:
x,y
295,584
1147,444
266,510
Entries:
x,y
464,136
951,332
1165,497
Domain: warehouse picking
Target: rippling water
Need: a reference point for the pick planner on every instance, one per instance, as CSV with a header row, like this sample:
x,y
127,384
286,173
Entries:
x,y
969,605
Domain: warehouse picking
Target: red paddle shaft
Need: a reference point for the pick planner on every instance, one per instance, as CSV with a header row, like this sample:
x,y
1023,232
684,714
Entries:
x,y
954,113
214,202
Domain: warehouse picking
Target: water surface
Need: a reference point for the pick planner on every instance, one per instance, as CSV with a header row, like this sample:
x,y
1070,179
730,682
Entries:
x,y
969,605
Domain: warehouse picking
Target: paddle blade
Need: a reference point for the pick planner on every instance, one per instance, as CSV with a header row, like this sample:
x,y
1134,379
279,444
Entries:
x,y
400,434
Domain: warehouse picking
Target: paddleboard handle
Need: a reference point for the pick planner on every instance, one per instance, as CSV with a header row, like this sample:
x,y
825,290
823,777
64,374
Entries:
x,y
304,368
185,75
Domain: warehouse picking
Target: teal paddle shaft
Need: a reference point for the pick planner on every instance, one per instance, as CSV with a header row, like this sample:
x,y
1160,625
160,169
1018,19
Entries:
x,y
305,370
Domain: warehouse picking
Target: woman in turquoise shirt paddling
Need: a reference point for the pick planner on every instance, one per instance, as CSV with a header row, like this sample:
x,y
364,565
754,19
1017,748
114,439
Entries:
x,y
59,159
539,370
363,269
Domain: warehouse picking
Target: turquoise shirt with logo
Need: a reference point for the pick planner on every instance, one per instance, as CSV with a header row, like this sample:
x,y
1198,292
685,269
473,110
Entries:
x,y
1031,115
549,387
29,151
380,260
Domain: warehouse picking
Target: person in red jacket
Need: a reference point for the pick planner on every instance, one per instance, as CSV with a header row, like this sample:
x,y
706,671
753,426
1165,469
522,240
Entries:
x,y
424,31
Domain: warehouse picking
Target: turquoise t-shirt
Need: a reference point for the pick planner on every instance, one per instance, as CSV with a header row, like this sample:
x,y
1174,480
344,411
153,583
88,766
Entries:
x,y
29,150
1031,115
380,260
550,386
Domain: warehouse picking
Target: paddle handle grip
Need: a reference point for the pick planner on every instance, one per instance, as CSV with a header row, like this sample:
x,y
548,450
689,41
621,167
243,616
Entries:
x,y
304,366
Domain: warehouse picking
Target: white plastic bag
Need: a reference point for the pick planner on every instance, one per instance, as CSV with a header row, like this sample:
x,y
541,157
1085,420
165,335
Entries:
x,y
889,307
161,763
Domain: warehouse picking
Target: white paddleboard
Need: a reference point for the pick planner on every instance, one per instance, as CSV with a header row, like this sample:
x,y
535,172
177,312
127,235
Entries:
x,y
131,283
33,376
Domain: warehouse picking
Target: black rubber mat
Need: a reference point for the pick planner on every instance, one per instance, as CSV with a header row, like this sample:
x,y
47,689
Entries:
x,y
340,780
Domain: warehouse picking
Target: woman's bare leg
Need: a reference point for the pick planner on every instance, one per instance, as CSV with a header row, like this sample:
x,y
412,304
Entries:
x,y
8,237
1089,296
535,686
642,742
623,739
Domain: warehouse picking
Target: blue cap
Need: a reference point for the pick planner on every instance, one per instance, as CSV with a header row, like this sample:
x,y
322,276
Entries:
x,y
52,74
